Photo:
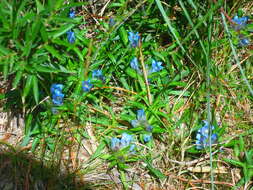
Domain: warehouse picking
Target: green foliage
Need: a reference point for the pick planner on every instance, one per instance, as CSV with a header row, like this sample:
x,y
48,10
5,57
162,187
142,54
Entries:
x,y
33,39
244,160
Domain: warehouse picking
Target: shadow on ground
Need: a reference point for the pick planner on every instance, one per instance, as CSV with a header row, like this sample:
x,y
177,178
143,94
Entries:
x,y
19,170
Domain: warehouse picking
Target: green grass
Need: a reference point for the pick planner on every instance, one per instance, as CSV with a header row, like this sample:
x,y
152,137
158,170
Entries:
x,y
206,75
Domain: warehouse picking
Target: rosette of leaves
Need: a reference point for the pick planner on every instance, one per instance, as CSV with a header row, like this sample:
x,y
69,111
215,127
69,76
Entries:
x,y
243,160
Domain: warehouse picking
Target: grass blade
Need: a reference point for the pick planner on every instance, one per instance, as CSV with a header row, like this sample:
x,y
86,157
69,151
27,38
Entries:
x,y
168,22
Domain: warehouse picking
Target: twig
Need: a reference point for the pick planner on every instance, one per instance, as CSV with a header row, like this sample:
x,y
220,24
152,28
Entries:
x,y
103,9
116,88
234,66
193,161
203,181
46,98
87,62
145,75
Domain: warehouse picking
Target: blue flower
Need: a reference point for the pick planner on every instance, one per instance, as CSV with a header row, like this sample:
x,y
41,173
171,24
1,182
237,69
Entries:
x,y
147,138
149,128
86,85
97,74
244,42
241,22
126,139
202,137
135,65
134,39
57,95
115,144
72,14
156,66
141,115
57,100
56,87
71,36
141,119
111,22
132,147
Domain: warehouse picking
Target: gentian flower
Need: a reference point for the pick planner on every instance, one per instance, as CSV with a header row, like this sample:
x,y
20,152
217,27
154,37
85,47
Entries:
x,y
156,66
240,22
72,14
134,39
56,87
115,144
126,140
97,74
135,65
244,42
149,128
141,119
57,95
202,137
141,115
86,85
146,138
57,98
132,147
71,36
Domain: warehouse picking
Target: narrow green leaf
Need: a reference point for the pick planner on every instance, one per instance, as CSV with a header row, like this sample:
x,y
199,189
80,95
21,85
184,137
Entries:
x,y
4,50
2,96
79,54
99,150
174,32
124,83
58,4
191,23
241,144
28,85
179,92
157,173
235,162
202,20
50,143
43,33
123,176
157,54
17,78
132,73
5,69
123,35
35,89
28,125
35,28
40,7
46,69
62,30
36,141
53,51
27,48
